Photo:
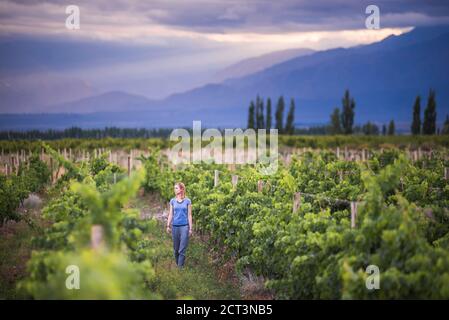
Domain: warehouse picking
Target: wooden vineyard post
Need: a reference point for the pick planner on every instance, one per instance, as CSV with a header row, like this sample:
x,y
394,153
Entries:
x,y
259,186
338,153
446,173
13,163
340,174
110,156
354,205
96,237
115,177
51,169
296,202
288,159
6,169
129,165
216,178
57,173
18,163
235,180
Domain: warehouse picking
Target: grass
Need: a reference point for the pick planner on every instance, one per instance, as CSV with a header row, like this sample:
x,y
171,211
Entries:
x,y
199,279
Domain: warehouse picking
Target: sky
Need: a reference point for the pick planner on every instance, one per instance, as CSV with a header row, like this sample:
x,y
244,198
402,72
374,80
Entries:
x,y
159,47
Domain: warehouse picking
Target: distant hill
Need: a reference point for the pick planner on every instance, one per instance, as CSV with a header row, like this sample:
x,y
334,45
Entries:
x,y
33,92
256,64
113,101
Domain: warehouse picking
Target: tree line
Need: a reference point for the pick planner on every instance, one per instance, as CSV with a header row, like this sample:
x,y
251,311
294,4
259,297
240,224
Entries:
x,y
341,122
342,119
428,125
79,133
258,118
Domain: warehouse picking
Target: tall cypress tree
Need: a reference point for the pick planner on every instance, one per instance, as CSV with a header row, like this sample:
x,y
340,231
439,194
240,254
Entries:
x,y
290,124
416,123
268,126
251,115
391,128
347,115
430,115
384,130
260,118
335,122
445,129
280,114
256,117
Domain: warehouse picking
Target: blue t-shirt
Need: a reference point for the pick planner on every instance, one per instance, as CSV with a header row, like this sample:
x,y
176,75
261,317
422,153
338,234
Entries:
x,y
180,211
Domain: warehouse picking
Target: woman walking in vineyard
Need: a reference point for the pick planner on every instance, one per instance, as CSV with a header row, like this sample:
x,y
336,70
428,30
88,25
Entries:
x,y
180,219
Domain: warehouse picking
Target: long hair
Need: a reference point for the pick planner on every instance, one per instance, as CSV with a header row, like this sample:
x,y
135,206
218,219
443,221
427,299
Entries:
x,y
182,187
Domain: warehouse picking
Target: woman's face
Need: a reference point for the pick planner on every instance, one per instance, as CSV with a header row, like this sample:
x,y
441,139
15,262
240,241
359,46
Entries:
x,y
177,189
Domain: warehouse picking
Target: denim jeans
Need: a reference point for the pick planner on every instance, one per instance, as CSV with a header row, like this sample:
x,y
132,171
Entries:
x,y
180,237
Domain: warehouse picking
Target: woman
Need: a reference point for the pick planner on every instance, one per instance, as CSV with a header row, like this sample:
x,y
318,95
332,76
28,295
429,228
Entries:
x,y
181,214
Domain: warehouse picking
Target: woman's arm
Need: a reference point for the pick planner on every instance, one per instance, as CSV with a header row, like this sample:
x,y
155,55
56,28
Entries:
x,y
190,220
170,216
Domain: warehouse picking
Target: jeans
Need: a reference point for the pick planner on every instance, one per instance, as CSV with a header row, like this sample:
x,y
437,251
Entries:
x,y
180,237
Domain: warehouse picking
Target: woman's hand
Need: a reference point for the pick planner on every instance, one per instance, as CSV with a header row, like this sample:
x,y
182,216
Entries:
x,y
190,232
168,229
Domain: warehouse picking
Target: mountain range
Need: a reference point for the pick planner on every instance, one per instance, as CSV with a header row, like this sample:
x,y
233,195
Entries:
x,y
384,78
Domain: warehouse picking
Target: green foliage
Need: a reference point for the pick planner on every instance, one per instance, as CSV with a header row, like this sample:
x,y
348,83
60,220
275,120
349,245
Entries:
x,y
314,253
430,115
416,122
391,128
269,119
11,194
279,114
32,176
251,115
401,227
290,122
103,275
347,113
335,122
111,271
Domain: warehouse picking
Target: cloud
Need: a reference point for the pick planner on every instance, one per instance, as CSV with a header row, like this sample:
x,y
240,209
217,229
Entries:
x,y
194,18
200,36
